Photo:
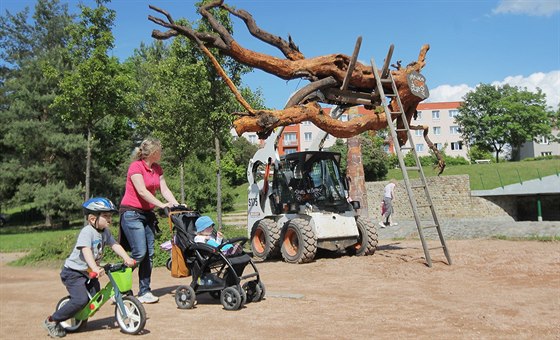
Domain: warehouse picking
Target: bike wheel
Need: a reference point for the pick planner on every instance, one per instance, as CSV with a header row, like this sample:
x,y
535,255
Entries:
x,y
70,325
135,315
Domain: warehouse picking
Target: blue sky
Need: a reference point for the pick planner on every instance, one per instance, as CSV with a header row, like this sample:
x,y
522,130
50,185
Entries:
x,y
472,41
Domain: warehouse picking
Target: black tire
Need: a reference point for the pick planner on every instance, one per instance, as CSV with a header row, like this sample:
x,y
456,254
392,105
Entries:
x,y
265,239
367,238
168,264
71,325
231,298
253,291
185,297
136,315
299,243
263,291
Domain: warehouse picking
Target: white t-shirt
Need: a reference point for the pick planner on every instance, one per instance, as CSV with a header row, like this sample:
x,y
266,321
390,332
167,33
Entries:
x,y
388,191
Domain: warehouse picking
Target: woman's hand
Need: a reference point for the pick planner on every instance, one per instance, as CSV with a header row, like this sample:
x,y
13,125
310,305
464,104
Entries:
x,y
129,262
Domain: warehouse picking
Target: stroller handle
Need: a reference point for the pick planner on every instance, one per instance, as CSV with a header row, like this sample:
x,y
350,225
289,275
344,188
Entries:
x,y
167,211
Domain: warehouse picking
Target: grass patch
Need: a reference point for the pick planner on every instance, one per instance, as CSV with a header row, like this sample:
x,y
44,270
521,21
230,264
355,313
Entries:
x,y
27,241
490,176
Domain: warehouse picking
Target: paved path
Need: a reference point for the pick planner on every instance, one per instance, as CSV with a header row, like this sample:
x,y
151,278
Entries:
x,y
474,228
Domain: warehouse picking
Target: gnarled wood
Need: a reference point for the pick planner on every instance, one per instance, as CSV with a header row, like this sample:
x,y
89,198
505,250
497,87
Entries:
x,y
332,67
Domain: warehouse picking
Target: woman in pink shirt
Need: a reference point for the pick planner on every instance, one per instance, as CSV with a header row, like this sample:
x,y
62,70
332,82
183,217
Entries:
x,y
138,221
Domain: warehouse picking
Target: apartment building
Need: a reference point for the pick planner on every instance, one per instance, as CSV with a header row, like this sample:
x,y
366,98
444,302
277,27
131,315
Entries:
x,y
440,117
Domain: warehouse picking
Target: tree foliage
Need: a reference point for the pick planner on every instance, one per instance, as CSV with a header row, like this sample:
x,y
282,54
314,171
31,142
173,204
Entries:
x,y
492,117
374,159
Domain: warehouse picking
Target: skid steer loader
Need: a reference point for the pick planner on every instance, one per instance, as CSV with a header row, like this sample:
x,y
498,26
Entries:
x,y
298,203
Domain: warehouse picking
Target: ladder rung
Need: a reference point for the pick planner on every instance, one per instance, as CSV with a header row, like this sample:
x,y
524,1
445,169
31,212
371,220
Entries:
x,y
430,226
417,186
406,147
398,130
385,80
434,248
412,168
424,206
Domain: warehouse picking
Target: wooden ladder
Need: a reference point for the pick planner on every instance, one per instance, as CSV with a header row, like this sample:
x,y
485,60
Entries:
x,y
379,94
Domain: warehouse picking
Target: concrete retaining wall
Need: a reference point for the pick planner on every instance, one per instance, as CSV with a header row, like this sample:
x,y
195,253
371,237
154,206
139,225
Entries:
x,y
451,196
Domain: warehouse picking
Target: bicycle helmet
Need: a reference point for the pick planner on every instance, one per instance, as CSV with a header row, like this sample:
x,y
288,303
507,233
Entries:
x,y
98,205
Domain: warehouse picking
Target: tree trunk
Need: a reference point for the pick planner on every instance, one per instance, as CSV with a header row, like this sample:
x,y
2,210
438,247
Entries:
x,y
88,164
218,182
182,175
355,170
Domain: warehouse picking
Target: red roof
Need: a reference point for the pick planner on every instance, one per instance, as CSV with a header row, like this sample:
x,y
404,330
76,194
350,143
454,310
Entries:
x,y
439,105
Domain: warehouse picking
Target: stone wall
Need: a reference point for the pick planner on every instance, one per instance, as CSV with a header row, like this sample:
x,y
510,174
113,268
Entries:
x,y
451,196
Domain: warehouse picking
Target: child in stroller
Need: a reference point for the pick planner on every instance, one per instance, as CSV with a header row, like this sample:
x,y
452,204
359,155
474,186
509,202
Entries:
x,y
205,233
214,272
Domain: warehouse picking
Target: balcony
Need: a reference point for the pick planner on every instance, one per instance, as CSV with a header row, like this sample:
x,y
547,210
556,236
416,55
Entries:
x,y
291,142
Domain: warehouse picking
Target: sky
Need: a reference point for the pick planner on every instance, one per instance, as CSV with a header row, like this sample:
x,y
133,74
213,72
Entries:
x,y
514,42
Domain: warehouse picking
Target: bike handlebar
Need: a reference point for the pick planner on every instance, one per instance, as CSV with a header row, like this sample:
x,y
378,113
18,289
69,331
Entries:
x,y
111,268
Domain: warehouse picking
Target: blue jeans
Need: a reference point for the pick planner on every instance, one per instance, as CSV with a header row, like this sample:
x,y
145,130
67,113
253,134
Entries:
x,y
141,239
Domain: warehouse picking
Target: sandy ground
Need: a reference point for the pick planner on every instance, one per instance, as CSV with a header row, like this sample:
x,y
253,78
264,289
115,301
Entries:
x,y
493,289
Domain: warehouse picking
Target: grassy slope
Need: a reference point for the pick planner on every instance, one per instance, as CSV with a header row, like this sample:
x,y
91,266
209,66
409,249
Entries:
x,y
490,176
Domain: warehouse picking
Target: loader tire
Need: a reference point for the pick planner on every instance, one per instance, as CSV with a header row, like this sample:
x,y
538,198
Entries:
x,y
299,242
367,238
265,239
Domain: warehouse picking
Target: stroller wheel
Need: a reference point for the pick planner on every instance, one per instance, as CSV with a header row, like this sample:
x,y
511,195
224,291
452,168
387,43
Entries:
x,y
185,297
231,298
168,264
254,290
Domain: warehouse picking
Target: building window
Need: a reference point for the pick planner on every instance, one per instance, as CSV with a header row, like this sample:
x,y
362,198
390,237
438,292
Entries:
x,y
439,146
453,113
344,118
418,115
543,140
457,146
435,114
546,153
253,139
306,122
437,130
308,136
290,139
289,151
419,147
418,132
454,130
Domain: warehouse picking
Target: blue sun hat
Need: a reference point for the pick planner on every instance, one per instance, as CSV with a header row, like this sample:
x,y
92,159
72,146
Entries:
x,y
202,223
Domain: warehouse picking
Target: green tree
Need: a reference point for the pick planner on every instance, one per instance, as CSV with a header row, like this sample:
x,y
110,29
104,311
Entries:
x,y
492,117
97,89
38,150
374,159
236,159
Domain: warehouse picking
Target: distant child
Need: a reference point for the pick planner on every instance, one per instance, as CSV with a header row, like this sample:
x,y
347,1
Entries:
x,y
85,257
205,234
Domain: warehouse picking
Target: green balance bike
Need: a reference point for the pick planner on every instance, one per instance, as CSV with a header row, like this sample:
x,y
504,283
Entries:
x,y
129,312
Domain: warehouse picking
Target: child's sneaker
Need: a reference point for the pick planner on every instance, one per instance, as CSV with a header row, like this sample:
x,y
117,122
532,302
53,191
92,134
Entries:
x,y
148,298
382,225
54,328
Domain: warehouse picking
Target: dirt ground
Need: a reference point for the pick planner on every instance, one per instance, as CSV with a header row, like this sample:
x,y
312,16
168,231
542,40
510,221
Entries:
x,y
493,289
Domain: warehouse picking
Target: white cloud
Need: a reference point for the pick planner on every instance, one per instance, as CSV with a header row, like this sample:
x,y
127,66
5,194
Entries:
x,y
549,83
530,7
449,93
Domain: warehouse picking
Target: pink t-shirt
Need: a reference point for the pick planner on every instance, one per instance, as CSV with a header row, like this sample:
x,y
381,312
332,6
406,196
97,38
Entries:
x,y
151,180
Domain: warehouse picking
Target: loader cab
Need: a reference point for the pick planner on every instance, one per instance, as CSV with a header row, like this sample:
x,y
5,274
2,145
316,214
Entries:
x,y
312,179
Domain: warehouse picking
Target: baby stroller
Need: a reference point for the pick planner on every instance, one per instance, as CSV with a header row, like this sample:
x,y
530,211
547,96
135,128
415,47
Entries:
x,y
222,276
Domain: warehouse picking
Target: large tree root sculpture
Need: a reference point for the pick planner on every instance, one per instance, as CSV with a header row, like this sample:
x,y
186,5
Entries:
x,y
326,73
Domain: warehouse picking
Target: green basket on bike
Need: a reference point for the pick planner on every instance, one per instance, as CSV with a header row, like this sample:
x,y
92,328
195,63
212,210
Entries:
x,y
123,279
